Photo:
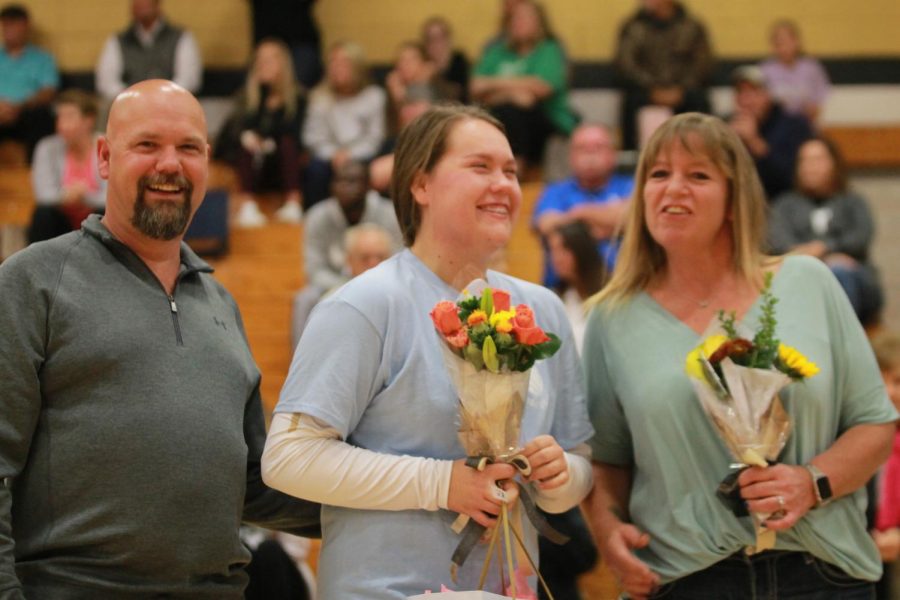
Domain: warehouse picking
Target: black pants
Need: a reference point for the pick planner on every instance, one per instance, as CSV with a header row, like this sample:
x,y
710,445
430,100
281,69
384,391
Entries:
x,y
772,575
32,125
273,575
526,128
561,565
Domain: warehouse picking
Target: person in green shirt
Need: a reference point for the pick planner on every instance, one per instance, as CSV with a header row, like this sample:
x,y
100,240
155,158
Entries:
x,y
692,246
521,78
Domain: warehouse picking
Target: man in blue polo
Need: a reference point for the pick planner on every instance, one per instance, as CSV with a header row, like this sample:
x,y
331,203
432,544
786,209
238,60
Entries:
x,y
28,81
594,193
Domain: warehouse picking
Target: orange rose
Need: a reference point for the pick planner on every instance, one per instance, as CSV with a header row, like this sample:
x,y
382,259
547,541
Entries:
x,y
524,328
458,339
501,300
445,316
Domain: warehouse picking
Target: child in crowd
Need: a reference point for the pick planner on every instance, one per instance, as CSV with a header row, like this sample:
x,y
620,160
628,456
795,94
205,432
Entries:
x,y
887,519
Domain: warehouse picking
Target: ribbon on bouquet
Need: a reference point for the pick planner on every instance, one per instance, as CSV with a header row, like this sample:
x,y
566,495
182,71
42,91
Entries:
x,y
472,531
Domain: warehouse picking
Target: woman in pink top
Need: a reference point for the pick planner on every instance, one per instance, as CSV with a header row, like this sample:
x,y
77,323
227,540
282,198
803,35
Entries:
x,y
887,515
67,186
797,81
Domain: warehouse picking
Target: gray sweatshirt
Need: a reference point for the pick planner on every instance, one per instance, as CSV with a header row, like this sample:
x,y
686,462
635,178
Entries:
x,y
130,428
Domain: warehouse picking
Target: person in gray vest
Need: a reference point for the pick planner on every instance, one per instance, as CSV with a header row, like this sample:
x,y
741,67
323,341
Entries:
x,y
150,48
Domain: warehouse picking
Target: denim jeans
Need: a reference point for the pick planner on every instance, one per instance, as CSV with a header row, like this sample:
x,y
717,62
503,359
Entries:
x,y
773,575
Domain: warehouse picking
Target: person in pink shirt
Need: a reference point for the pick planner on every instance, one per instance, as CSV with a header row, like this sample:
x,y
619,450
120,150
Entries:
x,y
887,515
64,177
798,81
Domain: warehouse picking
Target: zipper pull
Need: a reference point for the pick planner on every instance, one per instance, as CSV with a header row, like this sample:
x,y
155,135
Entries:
x,y
172,304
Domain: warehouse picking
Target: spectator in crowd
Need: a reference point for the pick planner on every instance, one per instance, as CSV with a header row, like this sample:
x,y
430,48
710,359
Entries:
x,y
692,247
365,246
131,425
352,203
886,529
580,271
664,58
414,75
293,22
345,119
28,82
451,65
416,101
594,194
64,176
822,218
266,129
149,48
796,80
521,79
772,135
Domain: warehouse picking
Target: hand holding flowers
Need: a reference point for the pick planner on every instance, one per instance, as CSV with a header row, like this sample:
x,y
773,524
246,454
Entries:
x,y
549,468
737,382
762,487
474,493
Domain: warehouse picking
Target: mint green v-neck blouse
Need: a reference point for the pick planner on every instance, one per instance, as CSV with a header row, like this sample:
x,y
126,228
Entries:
x,y
647,417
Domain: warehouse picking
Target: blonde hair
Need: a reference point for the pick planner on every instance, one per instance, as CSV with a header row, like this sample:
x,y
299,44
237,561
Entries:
x,y
287,84
641,259
357,57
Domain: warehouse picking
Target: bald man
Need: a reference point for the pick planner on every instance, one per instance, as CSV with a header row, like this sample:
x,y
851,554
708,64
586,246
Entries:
x,y
594,193
130,418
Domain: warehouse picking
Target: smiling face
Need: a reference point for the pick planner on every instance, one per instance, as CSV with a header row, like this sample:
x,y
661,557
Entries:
x,y
155,156
686,200
470,199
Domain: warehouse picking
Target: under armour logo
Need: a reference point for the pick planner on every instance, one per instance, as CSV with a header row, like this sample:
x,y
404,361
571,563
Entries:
x,y
220,323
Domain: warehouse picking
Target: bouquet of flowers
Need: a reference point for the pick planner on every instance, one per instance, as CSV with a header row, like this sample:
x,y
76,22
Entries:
x,y
489,348
737,380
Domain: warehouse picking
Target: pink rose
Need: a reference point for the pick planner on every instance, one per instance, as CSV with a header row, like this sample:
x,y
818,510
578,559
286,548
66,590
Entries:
x,y
501,300
524,328
458,339
445,316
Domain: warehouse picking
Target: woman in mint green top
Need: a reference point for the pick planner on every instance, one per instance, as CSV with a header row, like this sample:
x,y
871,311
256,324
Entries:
x,y
692,247
521,78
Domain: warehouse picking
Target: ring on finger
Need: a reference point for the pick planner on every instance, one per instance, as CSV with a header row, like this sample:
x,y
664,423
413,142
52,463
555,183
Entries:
x,y
780,499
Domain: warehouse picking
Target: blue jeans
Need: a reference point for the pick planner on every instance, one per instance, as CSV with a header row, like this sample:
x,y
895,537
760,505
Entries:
x,y
773,575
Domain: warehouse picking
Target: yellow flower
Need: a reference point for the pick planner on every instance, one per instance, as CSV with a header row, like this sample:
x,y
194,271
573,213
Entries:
x,y
476,317
794,360
706,349
500,320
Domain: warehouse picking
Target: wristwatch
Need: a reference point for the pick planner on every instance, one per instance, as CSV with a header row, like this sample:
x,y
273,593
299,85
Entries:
x,y
821,485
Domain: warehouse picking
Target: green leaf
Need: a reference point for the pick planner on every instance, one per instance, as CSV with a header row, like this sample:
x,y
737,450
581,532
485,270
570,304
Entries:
x,y
548,348
489,353
487,301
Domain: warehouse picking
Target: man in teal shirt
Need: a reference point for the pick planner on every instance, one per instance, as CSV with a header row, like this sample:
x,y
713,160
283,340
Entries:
x,y
28,81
